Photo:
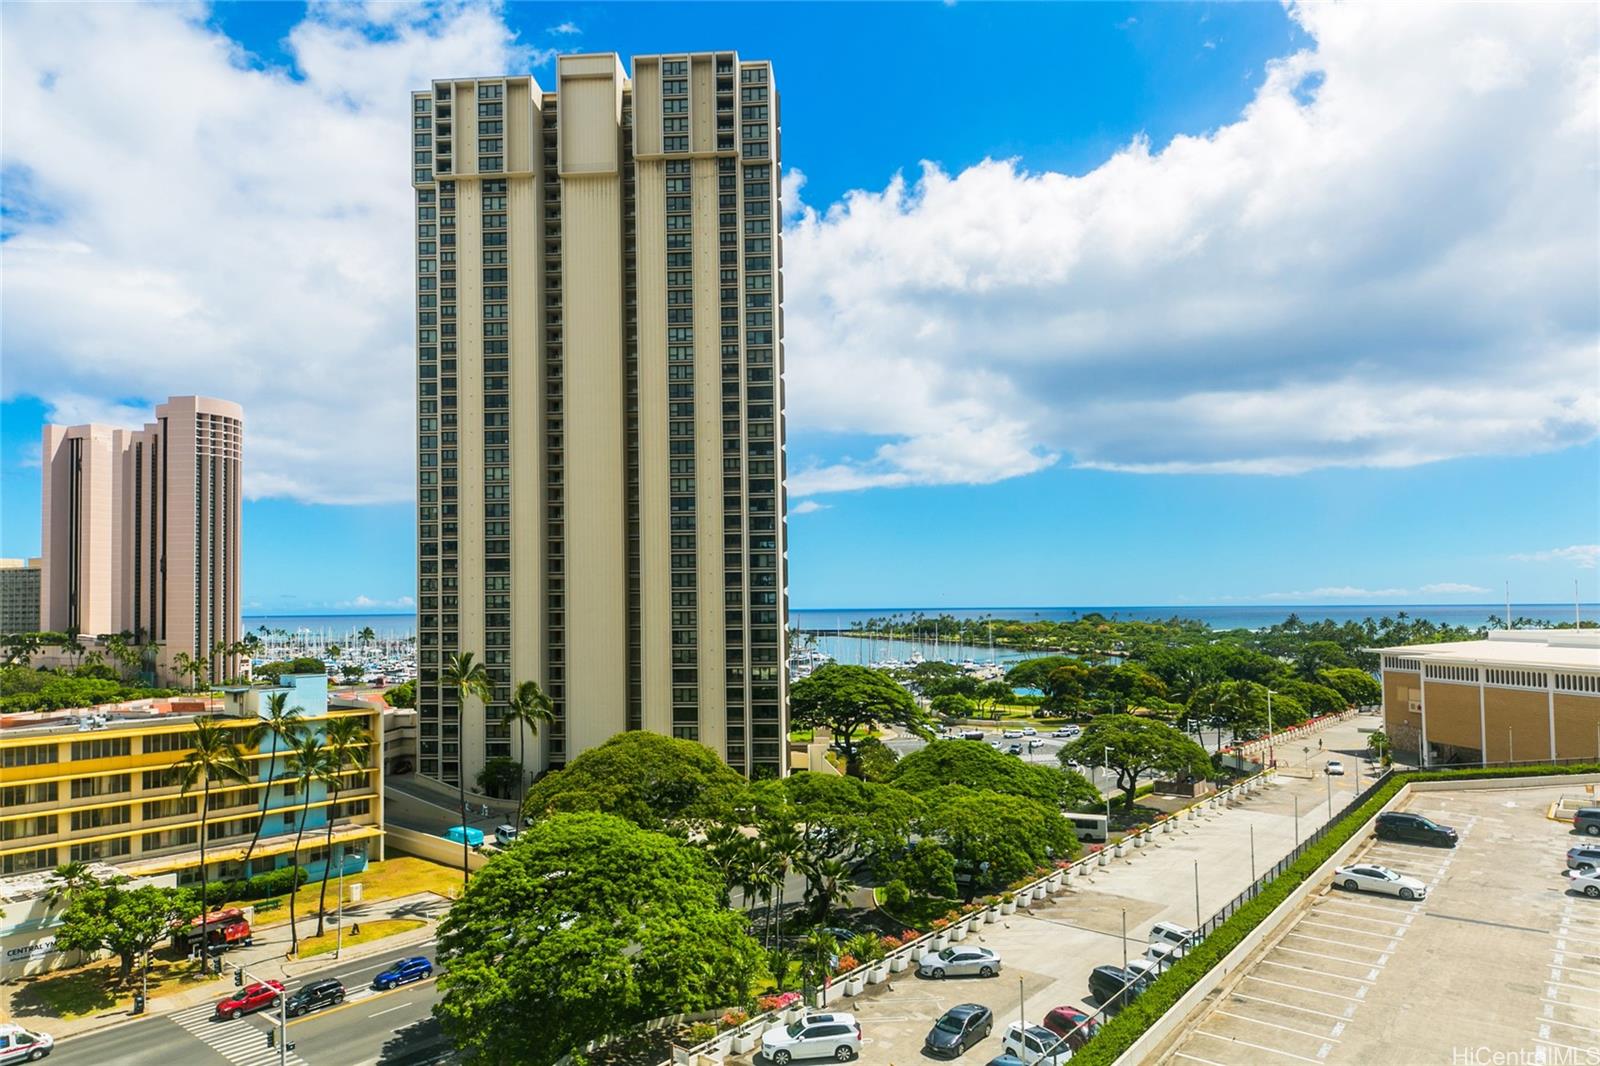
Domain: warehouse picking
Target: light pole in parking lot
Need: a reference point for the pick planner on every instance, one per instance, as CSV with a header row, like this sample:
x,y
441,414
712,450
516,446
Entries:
x,y
1197,895
1124,938
1297,821
1252,854
1105,770
1270,760
1330,795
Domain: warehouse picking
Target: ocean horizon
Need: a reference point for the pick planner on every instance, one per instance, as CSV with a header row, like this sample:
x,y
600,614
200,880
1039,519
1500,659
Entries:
x,y
1217,616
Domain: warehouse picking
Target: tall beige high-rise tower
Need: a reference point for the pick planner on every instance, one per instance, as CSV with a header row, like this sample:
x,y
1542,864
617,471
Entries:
x,y
141,531
600,406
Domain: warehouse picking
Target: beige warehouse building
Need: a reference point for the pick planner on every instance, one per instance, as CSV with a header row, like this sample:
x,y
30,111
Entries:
x,y
1520,695
600,406
141,531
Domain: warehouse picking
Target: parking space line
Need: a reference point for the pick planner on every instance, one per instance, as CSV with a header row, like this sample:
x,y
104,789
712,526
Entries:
x,y
1571,1025
1319,973
1340,943
1363,918
1358,932
1574,969
1330,958
1556,1043
1347,902
1313,991
1252,998
1195,1058
1563,984
1275,1025
1564,1003
1258,1047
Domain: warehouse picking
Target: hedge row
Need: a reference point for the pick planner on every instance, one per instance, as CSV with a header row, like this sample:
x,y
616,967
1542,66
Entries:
x,y
1129,1025
262,886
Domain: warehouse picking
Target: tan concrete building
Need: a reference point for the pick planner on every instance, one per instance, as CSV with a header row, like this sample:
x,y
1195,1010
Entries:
x,y
1520,695
600,405
19,595
141,531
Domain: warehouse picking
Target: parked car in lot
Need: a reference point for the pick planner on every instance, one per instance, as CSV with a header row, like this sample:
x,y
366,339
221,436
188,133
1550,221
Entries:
x,y
1584,857
1010,733
1067,732
403,972
834,1036
1407,828
317,994
1587,820
1005,1059
1334,768
958,1029
23,1045
1029,731
1034,1044
1157,959
1035,744
252,998
1369,877
1587,883
1014,749
505,835
1074,1023
1179,936
1113,986
959,962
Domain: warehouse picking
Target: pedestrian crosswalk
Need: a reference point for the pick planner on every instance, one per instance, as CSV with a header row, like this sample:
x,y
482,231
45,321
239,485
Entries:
x,y
241,1042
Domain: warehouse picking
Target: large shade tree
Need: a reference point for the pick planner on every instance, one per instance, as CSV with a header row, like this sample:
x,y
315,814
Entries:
x,y
975,765
842,699
588,927
466,679
1132,747
995,838
652,780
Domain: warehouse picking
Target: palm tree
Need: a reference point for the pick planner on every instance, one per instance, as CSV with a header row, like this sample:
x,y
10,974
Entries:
x,y
308,762
467,678
783,845
348,743
367,636
282,725
529,708
828,879
66,881
216,757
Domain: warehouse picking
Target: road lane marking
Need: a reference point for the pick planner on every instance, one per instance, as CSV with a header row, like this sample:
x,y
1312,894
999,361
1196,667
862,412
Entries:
x,y
387,1010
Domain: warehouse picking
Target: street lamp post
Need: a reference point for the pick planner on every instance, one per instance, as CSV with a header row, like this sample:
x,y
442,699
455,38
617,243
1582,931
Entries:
x,y
1330,796
1270,760
1105,768
1252,854
1124,938
1197,896
1297,821
338,943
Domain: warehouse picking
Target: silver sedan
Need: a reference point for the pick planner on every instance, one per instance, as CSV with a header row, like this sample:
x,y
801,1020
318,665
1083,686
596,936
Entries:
x,y
1380,879
960,961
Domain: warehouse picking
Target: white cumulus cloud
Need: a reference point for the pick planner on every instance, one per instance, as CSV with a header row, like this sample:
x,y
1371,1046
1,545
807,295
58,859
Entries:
x,y
1582,555
1449,588
1388,259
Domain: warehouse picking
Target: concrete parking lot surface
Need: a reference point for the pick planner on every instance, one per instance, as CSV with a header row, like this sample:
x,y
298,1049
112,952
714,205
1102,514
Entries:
x,y
1500,958
1049,950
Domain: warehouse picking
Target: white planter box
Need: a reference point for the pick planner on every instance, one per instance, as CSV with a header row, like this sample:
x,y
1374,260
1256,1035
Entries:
x,y
918,951
853,986
898,963
1166,826
1105,858
991,914
1008,906
1081,869
1122,849
793,1014
878,974
940,942
743,1042
958,932
1057,879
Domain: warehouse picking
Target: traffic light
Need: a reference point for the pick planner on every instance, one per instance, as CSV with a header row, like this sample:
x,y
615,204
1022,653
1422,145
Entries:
x,y
238,977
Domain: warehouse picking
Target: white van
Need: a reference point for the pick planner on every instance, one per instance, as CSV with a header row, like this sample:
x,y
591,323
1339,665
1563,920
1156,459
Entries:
x,y
1090,828
1173,935
20,1045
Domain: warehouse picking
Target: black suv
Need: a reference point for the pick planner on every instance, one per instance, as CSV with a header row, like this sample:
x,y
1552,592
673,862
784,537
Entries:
x,y
1414,829
316,994
1113,986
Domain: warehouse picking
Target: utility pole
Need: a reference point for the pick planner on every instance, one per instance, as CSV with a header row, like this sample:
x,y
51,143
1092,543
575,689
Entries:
x,y
1252,853
338,941
1297,821
1105,768
1270,760
1124,938
1022,1006
1197,896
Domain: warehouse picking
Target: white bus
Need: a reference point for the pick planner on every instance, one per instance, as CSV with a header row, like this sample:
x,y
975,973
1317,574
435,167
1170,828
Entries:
x,y
1089,827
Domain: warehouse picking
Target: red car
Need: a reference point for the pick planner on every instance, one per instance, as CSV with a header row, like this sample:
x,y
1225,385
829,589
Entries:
x,y
253,998
1069,1022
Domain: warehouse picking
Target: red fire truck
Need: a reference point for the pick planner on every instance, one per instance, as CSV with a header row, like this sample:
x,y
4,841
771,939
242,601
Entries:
x,y
224,929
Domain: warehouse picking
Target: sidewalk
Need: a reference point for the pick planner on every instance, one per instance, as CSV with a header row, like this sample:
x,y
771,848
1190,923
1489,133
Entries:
x,y
263,960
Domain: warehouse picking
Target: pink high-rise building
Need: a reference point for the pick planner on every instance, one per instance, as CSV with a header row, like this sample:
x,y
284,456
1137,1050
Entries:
x,y
141,531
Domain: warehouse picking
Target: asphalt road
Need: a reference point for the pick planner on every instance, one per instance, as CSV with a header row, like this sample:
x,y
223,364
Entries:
x,y
393,1028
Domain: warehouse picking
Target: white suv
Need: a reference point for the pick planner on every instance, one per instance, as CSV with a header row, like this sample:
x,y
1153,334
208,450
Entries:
x,y
1035,1045
834,1036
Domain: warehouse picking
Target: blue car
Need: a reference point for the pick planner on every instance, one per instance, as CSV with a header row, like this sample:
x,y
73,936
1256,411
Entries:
x,y
404,972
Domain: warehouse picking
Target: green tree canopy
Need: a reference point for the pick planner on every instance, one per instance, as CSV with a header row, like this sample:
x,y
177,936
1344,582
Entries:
x,y
588,927
843,698
1132,747
1316,699
402,695
976,766
105,915
878,760
649,779
1358,687
952,705
304,664
1035,673
995,838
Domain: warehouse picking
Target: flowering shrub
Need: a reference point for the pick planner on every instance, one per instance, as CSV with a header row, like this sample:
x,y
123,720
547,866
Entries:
x,y
940,923
700,1032
952,916
908,936
846,964
891,942
778,1001
1095,849
1062,864
734,1018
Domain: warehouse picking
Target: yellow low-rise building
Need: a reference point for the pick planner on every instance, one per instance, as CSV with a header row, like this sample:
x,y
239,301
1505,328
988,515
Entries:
x,y
100,786
1519,696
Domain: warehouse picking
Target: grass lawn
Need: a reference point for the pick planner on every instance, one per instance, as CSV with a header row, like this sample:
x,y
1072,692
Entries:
x,y
375,930
802,736
94,988
921,911
390,879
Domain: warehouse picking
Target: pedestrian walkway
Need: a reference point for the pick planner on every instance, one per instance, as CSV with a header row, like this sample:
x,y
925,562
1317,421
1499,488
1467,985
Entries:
x,y
240,1042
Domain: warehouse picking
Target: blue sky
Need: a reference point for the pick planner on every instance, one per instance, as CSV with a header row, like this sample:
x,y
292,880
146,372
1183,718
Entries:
x,y
1175,317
